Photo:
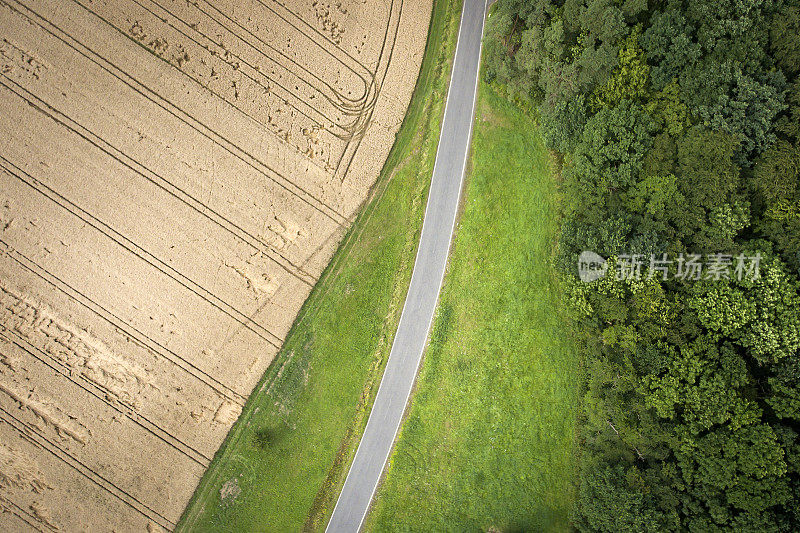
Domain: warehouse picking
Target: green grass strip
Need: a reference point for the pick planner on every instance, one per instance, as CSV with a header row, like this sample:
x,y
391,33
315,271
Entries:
x,y
488,441
284,461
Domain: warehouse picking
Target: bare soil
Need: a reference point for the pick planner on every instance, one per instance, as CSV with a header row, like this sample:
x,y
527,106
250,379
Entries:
x,y
174,177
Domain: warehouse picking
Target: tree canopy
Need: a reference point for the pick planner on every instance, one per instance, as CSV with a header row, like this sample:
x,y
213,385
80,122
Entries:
x,y
678,124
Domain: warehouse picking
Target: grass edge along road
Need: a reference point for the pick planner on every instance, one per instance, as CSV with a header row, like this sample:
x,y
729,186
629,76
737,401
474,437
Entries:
x,y
284,461
488,441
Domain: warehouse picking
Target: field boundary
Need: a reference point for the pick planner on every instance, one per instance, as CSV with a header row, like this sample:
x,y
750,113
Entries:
x,y
417,123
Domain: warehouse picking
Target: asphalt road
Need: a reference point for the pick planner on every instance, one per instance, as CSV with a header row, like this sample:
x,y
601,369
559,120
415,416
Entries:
x,y
426,280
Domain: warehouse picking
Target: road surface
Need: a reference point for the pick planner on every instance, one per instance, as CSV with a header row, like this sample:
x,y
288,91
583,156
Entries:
x,y
426,280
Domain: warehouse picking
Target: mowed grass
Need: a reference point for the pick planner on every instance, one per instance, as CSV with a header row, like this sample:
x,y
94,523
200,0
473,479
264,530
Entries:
x,y
284,462
488,440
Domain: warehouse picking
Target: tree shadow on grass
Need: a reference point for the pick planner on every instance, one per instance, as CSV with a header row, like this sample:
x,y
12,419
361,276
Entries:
x,y
268,437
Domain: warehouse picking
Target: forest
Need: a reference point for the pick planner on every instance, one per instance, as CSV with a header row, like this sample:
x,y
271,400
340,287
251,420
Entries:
x,y
676,127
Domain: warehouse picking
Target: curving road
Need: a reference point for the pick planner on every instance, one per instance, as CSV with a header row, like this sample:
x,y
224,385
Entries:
x,y
426,280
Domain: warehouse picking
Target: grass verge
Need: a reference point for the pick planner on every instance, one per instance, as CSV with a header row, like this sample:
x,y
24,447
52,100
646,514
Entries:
x,y
284,461
488,440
